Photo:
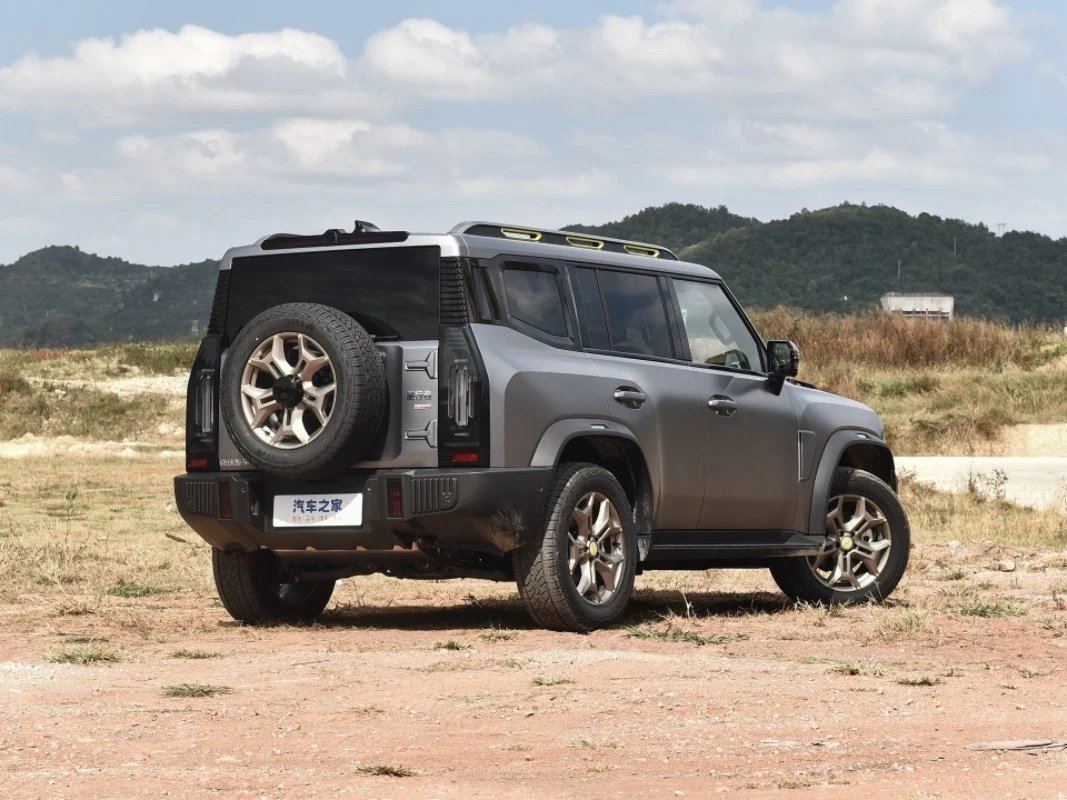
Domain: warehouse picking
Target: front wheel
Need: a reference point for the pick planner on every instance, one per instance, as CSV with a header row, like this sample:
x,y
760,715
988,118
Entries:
x,y
251,589
577,573
866,550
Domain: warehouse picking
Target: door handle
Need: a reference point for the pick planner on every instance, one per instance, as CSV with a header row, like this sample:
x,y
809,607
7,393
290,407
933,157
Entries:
x,y
630,397
722,405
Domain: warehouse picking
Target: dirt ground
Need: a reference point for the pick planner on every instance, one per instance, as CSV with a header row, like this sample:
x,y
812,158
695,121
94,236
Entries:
x,y
714,684
738,693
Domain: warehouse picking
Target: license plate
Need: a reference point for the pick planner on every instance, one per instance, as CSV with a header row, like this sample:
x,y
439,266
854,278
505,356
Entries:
x,y
318,510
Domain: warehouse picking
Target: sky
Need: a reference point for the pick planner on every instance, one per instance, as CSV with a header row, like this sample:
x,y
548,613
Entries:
x,y
164,133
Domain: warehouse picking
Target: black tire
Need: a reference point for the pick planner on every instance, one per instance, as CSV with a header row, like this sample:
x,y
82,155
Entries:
x,y
249,588
358,403
542,573
796,577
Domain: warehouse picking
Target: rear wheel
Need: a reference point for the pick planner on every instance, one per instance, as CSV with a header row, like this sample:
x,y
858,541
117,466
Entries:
x,y
577,573
866,549
250,588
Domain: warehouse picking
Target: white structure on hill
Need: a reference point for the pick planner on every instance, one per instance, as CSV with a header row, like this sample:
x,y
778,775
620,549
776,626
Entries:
x,y
932,306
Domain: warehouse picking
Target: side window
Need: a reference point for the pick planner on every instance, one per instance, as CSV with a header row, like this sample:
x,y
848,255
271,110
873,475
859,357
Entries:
x,y
534,298
717,335
636,315
591,309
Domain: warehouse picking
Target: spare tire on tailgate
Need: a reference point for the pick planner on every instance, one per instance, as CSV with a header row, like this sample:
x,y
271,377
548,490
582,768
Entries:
x,y
303,390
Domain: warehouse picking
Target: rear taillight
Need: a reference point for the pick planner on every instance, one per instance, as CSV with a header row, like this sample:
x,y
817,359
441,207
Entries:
x,y
463,435
202,403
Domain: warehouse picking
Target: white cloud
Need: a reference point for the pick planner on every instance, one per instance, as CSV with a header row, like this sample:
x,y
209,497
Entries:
x,y
11,178
153,72
863,59
179,143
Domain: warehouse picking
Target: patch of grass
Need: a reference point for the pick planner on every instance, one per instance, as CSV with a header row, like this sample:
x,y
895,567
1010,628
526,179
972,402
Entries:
x,y
451,644
542,681
84,656
988,609
898,385
155,358
938,516
386,770
195,690
867,668
133,589
952,574
1026,672
902,625
586,744
195,655
684,636
922,680
495,634
87,640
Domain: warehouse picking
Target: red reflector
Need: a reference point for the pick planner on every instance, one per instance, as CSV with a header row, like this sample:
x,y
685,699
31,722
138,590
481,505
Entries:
x,y
394,489
225,506
197,463
465,458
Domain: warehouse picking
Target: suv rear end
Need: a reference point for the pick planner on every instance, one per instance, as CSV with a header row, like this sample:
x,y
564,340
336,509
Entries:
x,y
337,423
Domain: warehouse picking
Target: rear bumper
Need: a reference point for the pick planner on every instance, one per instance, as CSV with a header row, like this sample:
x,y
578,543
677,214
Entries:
x,y
484,510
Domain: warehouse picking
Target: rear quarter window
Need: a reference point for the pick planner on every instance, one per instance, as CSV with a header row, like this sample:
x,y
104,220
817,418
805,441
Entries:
x,y
535,298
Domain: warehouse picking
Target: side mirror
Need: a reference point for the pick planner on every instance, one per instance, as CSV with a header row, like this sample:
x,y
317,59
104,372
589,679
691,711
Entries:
x,y
783,359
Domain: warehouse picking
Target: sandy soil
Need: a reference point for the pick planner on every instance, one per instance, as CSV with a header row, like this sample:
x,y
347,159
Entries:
x,y
771,711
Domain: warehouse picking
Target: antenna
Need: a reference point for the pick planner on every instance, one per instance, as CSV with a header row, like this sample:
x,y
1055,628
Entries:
x,y
1000,228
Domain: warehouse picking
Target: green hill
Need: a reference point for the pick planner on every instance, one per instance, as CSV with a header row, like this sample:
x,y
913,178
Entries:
x,y
60,296
844,258
837,259
675,225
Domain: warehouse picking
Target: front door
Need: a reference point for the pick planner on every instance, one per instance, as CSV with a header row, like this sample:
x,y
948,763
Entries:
x,y
751,453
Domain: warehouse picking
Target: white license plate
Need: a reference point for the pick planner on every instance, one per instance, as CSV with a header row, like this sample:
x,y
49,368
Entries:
x,y
318,510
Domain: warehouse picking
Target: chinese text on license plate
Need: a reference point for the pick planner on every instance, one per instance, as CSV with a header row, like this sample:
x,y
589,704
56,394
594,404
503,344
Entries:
x,y
317,510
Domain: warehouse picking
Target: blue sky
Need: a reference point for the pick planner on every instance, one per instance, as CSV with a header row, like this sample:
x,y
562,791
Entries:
x,y
165,132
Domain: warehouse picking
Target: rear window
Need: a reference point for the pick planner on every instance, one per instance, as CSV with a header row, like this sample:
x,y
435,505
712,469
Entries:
x,y
637,318
392,292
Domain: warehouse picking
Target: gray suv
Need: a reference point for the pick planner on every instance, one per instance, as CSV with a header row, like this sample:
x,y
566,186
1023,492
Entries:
x,y
558,409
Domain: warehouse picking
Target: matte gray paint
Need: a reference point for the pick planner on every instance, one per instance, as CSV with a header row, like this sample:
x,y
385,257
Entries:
x,y
753,464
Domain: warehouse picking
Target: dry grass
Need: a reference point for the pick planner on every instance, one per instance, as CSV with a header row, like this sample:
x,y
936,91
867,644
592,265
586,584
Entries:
x,y
941,388
89,535
888,341
972,516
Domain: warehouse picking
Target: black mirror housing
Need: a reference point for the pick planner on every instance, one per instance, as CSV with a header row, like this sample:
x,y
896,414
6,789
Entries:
x,y
783,359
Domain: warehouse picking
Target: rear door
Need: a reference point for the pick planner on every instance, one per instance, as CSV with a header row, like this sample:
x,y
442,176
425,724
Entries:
x,y
648,388
750,444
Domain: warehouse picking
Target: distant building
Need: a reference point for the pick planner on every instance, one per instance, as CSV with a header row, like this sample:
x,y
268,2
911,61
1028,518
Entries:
x,y
918,304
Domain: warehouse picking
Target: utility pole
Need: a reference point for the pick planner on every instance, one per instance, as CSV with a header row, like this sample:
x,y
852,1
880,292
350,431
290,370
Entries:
x,y
953,246
898,273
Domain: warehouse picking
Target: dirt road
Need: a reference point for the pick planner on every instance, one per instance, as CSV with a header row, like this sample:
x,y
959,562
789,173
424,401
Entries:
x,y
448,687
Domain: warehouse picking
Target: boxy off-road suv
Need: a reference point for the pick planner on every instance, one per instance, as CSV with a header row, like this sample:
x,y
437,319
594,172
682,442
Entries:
x,y
561,410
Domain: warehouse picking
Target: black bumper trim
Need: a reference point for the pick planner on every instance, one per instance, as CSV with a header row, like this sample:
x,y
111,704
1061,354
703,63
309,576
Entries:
x,y
484,510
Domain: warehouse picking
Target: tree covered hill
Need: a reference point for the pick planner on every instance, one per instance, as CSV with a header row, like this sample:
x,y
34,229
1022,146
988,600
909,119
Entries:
x,y
60,296
844,258
837,259
674,225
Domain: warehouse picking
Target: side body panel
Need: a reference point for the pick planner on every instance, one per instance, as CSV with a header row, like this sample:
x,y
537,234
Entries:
x,y
752,460
533,385
668,426
829,425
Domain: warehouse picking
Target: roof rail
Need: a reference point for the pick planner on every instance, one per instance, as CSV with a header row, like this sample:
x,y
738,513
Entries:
x,y
586,241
